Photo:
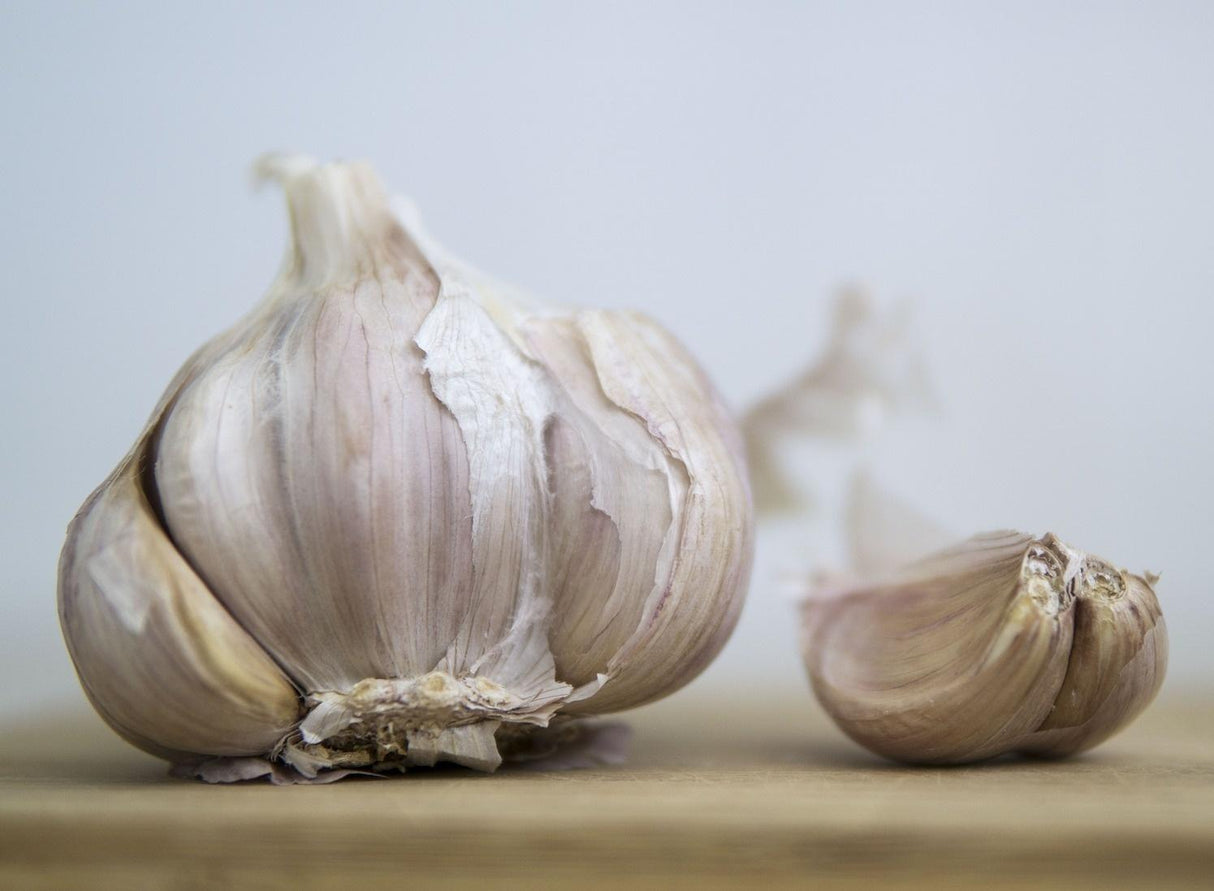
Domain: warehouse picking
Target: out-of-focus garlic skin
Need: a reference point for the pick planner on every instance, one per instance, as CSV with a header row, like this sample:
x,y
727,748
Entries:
x,y
1003,643
397,506
870,370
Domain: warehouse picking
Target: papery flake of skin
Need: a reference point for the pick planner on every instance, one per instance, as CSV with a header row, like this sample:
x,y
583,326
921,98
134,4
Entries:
x,y
871,369
399,513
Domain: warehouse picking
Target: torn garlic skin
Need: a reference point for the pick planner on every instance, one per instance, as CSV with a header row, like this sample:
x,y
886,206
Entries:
x,y
397,509
1005,642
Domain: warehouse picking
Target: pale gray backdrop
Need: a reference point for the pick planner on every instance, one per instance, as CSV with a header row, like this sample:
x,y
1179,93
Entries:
x,y
1039,176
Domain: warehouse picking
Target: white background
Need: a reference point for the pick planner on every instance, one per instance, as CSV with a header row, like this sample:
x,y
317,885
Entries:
x,y
1039,176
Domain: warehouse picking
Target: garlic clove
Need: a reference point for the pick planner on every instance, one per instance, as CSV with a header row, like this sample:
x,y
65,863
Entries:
x,y
950,658
692,609
616,496
161,661
1003,643
283,467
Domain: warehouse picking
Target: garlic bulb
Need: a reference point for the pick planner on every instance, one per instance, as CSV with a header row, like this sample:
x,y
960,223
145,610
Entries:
x,y
1003,643
397,508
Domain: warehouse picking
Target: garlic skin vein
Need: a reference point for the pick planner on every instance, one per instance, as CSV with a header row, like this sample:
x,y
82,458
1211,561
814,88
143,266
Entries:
x,y
1002,643
396,507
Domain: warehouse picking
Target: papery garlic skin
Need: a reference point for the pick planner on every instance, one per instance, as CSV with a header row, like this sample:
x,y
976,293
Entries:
x,y
870,369
1003,643
424,506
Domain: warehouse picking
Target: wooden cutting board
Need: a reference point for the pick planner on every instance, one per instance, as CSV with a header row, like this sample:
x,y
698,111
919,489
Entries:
x,y
749,790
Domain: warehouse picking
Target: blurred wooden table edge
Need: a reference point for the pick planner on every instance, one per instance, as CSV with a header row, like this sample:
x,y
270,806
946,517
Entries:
x,y
716,793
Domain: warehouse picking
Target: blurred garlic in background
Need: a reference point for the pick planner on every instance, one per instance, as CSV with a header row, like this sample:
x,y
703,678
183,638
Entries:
x,y
399,515
867,390
870,370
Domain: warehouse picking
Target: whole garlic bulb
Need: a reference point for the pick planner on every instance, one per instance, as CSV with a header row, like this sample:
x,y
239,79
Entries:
x,y
1003,643
396,508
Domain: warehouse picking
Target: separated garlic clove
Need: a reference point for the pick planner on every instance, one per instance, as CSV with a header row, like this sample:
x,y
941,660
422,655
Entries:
x,y
160,659
417,507
946,661
1004,643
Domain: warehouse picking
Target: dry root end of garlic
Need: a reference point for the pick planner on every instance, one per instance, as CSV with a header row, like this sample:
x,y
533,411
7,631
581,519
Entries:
x,y
1003,643
397,515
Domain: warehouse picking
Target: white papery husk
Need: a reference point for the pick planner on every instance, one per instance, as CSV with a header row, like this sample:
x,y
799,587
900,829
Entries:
x,y
398,511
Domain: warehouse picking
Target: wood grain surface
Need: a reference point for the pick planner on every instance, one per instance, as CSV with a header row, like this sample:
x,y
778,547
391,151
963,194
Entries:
x,y
753,790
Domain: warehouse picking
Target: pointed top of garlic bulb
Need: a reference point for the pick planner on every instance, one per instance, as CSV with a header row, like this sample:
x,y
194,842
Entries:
x,y
342,225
